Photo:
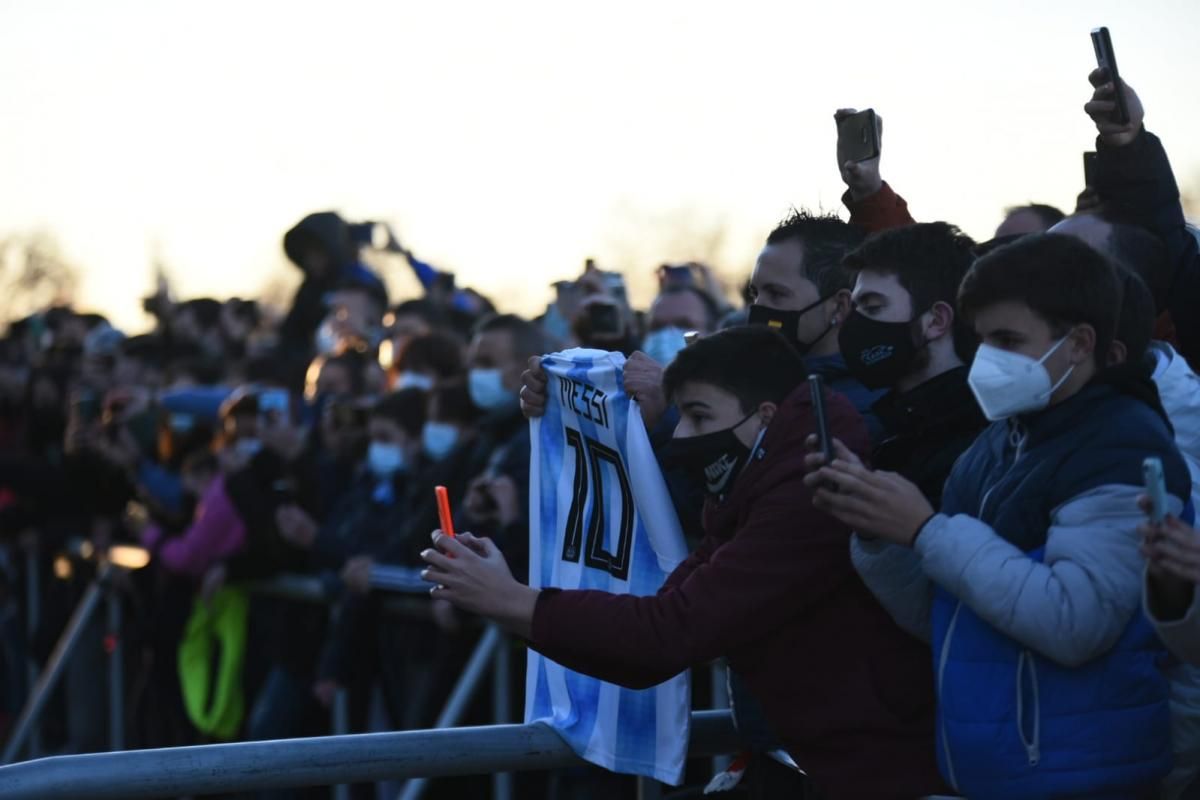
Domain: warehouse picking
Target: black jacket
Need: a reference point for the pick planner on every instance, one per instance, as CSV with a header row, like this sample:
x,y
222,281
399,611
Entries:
x,y
927,429
1137,187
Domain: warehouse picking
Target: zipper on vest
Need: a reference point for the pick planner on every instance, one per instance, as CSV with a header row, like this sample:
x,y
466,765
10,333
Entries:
x,y
943,657
1033,743
1016,438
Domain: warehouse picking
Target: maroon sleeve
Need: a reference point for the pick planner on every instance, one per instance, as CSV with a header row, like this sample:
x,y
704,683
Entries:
x,y
880,212
698,557
779,563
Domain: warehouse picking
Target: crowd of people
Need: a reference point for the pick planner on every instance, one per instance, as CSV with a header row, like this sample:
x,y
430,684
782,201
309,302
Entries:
x,y
969,596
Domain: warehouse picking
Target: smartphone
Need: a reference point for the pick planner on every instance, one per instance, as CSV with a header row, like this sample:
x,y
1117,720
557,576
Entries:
x,y
615,283
1156,488
604,319
1106,59
680,275
816,385
443,503
1089,169
858,137
273,407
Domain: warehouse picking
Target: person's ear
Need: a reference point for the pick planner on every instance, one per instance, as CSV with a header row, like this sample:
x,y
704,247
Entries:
x,y
766,412
1082,346
938,321
841,305
1117,353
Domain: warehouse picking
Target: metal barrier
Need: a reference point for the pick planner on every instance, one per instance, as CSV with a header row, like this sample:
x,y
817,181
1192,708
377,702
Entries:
x,y
322,761
32,712
712,731
491,652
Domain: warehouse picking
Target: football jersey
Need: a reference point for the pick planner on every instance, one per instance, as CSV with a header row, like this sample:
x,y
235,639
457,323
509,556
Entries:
x,y
601,518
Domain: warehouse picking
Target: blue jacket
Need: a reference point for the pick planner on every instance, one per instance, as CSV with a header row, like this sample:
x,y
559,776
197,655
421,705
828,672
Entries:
x,y
1050,683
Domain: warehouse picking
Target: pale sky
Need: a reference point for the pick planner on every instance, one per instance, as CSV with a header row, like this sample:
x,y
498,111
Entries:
x,y
509,141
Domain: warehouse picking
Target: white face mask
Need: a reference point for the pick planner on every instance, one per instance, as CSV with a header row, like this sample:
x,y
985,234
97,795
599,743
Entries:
x,y
488,392
438,439
413,380
1007,384
385,460
664,344
326,339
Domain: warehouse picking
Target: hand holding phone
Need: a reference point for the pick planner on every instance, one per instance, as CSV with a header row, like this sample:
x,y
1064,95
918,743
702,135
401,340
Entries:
x,y
604,320
816,385
1106,59
443,503
858,136
1156,489
858,150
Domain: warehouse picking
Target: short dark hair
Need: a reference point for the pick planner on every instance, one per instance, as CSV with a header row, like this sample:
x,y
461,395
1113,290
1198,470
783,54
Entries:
x,y
1061,279
1135,326
440,353
527,338
425,309
825,239
1140,251
206,310
754,363
929,260
148,348
1048,215
712,311
406,408
245,310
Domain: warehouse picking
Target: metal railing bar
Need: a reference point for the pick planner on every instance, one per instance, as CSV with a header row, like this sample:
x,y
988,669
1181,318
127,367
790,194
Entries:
x,y
322,761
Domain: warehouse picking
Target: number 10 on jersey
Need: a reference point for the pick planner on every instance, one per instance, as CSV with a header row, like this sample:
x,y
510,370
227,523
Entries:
x,y
594,464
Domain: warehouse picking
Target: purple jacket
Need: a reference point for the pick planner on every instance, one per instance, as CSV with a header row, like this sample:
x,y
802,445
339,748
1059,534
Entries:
x,y
216,532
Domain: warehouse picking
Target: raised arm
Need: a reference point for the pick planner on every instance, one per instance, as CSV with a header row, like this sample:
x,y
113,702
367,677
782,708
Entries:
x,y
872,204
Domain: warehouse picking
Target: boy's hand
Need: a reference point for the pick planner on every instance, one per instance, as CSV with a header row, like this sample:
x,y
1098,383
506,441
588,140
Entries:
x,y
643,382
878,504
472,574
815,459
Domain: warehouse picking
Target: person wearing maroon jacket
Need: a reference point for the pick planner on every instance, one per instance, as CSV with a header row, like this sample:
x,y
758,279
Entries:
x,y
771,587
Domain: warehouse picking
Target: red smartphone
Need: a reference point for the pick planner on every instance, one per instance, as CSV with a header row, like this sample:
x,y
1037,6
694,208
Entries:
x,y
443,502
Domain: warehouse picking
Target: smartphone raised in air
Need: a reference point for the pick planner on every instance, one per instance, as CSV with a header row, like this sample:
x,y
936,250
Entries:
x,y
858,137
1106,59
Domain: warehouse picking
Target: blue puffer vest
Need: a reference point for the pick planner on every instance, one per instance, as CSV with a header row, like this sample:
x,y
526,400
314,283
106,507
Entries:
x,y
1012,723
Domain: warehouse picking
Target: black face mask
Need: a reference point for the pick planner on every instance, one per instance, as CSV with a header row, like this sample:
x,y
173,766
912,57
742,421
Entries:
x,y
787,323
714,459
878,354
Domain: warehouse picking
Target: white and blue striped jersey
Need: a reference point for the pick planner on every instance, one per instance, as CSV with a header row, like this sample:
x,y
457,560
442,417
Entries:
x,y
601,518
